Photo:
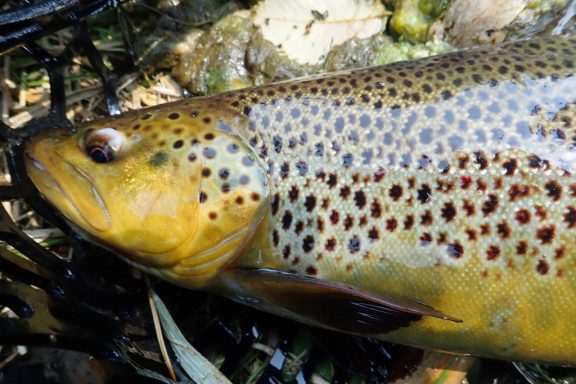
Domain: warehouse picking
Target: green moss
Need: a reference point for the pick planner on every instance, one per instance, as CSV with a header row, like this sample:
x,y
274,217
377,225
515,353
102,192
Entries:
x,y
412,18
214,63
232,54
434,8
356,53
407,51
379,50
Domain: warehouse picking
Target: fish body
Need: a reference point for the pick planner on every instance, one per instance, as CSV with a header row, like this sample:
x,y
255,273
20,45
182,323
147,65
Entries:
x,y
443,188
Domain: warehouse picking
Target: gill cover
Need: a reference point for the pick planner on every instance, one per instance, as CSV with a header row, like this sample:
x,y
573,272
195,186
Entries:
x,y
174,191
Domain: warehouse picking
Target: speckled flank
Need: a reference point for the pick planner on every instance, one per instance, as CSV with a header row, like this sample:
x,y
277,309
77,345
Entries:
x,y
448,180
472,138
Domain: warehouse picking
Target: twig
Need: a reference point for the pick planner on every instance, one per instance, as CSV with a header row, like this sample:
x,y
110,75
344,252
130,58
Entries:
x,y
158,329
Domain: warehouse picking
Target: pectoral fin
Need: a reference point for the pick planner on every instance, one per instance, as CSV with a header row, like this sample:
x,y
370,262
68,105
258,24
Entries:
x,y
329,305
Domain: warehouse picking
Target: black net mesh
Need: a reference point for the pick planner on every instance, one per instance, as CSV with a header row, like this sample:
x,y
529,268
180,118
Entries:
x,y
74,304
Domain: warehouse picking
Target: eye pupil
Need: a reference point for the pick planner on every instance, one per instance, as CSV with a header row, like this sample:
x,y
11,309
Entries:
x,y
103,145
101,154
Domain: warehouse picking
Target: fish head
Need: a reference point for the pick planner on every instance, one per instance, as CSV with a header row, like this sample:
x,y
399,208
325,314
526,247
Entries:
x,y
173,190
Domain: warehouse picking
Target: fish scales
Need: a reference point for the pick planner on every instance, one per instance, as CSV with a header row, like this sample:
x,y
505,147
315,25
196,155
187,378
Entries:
x,y
436,180
448,180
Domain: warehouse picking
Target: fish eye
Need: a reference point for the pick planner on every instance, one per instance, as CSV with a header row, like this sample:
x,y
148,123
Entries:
x,y
103,145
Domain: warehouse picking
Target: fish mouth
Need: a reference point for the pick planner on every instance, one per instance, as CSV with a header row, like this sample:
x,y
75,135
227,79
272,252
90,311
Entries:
x,y
70,190
36,162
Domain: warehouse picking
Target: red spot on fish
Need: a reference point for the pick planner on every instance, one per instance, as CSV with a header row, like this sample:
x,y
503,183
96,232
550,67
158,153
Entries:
x,y
379,174
311,270
408,222
523,216
391,224
493,252
426,218
465,182
546,234
522,247
559,253
471,233
425,239
481,185
503,230
541,212
542,267
570,217
518,191
469,207
334,217
375,209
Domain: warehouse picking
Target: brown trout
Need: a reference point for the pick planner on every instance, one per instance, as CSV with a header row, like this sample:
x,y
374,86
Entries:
x,y
429,203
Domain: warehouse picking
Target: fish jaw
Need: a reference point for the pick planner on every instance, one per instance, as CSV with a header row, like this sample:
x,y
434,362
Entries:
x,y
62,183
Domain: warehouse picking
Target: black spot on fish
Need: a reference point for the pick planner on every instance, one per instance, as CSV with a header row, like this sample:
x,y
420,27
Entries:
x,y
424,193
455,250
310,203
554,190
503,230
293,193
354,244
224,173
510,167
426,218
308,243
395,192
546,234
490,205
448,211
373,234
360,199
332,180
